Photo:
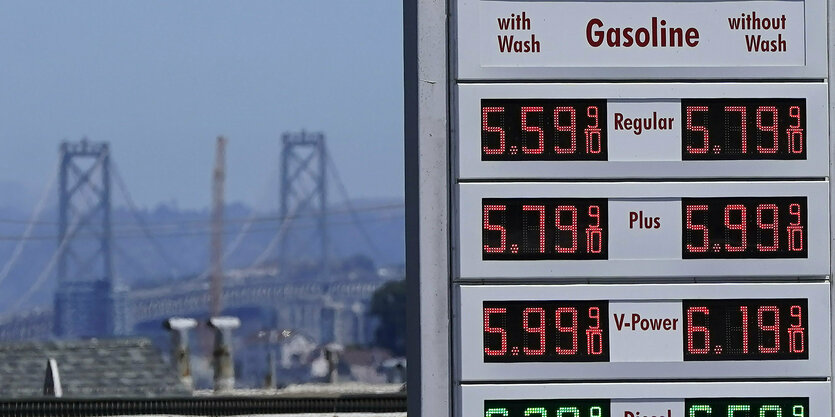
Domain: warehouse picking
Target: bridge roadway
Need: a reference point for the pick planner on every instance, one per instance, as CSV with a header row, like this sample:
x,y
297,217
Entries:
x,y
334,310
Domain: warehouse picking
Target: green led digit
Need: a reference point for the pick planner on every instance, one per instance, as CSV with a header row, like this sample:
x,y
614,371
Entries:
x,y
767,408
562,411
798,411
493,412
734,407
536,410
700,407
596,411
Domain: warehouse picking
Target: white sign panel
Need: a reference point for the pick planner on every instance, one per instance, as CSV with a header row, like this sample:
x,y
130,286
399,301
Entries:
x,y
516,39
643,331
682,130
669,399
586,230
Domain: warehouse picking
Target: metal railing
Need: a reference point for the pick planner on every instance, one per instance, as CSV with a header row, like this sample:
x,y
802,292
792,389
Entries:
x,y
204,406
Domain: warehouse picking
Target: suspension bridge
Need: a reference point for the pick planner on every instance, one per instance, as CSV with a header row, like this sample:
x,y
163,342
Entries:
x,y
91,301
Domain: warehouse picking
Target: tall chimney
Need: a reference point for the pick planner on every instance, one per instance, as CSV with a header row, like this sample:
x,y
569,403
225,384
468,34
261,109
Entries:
x,y
224,365
179,327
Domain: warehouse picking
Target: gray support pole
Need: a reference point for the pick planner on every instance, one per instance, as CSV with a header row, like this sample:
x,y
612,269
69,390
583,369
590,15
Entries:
x,y
831,71
323,201
427,180
63,211
107,237
284,195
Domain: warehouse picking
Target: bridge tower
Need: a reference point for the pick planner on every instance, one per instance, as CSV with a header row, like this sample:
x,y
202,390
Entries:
x,y
84,302
303,195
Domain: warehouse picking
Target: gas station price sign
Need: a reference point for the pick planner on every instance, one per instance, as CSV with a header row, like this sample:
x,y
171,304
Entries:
x,y
555,230
687,330
515,40
642,130
565,130
672,399
559,331
529,229
693,407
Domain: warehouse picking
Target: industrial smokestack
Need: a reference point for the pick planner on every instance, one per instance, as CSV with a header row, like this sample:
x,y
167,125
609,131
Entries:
x,y
222,359
179,327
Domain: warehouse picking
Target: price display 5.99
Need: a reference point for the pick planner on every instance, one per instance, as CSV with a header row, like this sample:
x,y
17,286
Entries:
x,y
709,330
774,227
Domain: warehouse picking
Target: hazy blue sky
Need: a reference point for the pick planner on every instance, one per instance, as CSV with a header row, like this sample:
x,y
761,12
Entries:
x,y
160,79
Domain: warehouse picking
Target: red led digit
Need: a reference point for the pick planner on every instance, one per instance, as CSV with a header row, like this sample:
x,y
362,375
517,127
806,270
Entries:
x,y
740,227
744,311
571,128
775,328
742,128
540,330
795,229
797,343
541,222
690,226
767,128
795,132
540,142
567,227
499,330
692,330
494,227
772,225
485,127
594,334
567,329
594,233
694,128
593,139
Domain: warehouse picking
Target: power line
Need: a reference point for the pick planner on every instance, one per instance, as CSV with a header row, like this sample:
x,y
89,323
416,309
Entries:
x,y
159,231
202,223
133,233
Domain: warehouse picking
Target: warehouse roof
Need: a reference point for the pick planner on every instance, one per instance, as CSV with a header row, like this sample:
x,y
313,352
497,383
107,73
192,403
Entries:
x,y
129,367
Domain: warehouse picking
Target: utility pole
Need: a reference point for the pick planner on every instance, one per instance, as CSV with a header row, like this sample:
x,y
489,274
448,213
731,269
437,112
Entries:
x,y
218,179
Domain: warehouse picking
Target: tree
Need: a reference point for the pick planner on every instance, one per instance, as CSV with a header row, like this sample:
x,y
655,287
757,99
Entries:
x,y
388,304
